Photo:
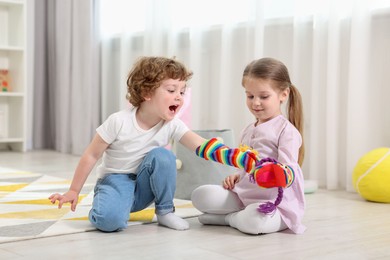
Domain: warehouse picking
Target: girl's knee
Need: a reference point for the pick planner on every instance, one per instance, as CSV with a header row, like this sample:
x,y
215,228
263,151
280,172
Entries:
x,y
200,196
214,199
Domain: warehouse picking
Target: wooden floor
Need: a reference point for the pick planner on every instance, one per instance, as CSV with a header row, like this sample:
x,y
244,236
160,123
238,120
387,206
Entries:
x,y
340,226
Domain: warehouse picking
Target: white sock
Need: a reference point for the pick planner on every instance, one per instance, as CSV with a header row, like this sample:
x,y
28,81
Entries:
x,y
213,219
172,221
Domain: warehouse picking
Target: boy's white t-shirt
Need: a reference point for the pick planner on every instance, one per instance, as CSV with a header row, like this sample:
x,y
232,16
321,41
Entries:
x,y
129,143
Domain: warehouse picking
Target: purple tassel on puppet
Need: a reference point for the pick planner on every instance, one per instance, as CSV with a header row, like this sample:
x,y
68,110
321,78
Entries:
x,y
269,207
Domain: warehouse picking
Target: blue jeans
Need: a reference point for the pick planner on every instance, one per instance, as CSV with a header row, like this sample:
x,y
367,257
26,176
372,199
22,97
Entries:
x,y
117,195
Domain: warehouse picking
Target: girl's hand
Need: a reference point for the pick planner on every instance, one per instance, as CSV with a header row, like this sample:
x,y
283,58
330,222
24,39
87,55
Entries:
x,y
230,181
70,196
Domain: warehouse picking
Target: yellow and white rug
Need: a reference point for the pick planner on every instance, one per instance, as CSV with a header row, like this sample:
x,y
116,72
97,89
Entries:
x,y
26,212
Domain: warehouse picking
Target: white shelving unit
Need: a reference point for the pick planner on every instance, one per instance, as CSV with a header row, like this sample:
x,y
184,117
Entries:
x,y
13,103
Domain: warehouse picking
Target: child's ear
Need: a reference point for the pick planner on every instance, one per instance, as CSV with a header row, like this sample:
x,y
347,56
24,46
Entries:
x,y
284,95
147,96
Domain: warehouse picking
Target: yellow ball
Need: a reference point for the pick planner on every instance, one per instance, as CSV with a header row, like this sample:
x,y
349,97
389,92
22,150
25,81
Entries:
x,y
371,175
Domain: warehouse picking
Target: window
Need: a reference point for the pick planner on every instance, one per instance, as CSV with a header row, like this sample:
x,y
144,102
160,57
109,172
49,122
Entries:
x,y
120,16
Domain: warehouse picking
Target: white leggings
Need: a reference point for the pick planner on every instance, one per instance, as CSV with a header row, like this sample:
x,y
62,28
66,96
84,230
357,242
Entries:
x,y
219,203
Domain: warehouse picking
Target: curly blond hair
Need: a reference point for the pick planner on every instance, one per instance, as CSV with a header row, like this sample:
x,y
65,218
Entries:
x,y
148,73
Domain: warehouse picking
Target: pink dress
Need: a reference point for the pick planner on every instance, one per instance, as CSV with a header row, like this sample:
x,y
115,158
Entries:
x,y
278,139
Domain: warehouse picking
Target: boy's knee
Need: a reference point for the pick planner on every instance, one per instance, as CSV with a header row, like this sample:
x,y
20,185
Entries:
x,y
109,222
164,157
162,152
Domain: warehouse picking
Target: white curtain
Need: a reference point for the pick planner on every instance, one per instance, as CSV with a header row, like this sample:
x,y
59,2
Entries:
x,y
338,55
66,75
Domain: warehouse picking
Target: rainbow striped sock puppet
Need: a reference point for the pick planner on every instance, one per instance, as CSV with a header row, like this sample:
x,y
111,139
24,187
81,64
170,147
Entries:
x,y
266,173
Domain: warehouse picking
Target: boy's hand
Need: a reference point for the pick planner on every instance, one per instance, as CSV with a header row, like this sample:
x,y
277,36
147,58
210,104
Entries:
x,y
230,181
70,196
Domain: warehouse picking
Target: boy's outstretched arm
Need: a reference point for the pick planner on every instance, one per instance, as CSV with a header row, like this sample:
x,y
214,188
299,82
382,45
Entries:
x,y
267,172
88,160
216,151
207,149
192,140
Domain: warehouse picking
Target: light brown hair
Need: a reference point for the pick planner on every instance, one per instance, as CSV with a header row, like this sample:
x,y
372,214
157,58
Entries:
x,y
275,70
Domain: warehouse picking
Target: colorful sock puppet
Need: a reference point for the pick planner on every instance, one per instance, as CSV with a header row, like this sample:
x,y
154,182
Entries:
x,y
266,173
269,173
214,150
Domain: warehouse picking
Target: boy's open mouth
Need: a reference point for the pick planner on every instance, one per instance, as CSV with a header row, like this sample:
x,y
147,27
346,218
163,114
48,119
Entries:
x,y
173,108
